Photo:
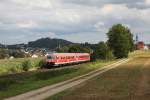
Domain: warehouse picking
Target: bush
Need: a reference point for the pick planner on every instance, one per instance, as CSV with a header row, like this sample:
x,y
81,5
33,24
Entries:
x,y
79,49
17,53
3,53
13,69
26,65
102,51
42,63
109,55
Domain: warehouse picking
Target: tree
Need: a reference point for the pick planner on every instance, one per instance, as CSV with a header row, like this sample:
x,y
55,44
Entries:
x,y
102,51
120,40
3,53
17,53
63,49
78,49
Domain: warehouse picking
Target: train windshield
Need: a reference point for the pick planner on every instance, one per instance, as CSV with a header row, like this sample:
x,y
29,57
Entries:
x,y
50,57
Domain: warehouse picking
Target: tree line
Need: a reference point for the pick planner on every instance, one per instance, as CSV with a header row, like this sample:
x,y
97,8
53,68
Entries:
x,y
120,42
7,53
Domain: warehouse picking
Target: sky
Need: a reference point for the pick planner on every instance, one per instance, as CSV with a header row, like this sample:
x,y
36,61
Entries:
x,y
74,20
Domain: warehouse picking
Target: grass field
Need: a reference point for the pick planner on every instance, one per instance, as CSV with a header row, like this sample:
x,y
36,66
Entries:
x,y
15,65
130,81
140,53
13,85
20,83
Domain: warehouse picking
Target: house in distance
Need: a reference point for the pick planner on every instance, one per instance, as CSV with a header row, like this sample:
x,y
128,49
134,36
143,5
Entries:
x,y
141,46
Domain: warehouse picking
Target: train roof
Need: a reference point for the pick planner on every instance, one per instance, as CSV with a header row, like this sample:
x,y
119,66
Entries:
x,y
68,54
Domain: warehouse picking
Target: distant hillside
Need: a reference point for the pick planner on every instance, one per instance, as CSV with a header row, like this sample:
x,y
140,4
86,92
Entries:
x,y
16,46
49,43
1,45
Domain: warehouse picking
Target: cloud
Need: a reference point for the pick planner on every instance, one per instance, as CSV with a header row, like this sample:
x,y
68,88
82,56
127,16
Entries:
x,y
75,20
147,2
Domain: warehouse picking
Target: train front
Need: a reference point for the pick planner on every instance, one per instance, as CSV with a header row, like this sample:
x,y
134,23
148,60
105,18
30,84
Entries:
x,y
50,60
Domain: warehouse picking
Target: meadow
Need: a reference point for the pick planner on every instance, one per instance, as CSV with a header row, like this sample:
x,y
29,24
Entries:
x,y
11,85
139,53
129,81
16,65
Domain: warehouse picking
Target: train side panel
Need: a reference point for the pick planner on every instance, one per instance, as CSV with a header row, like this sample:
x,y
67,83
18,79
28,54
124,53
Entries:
x,y
66,58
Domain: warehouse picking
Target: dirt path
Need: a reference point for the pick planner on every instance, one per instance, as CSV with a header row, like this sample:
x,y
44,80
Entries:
x,y
143,86
45,92
129,81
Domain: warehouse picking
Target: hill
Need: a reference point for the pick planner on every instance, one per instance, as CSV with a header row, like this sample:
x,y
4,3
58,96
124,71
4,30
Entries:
x,y
49,43
1,46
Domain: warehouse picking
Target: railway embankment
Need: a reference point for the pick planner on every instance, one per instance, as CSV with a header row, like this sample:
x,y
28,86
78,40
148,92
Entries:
x,y
45,92
11,85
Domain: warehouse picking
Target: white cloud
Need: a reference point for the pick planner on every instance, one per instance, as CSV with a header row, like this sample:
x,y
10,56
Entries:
x,y
107,9
34,3
147,2
99,26
28,24
70,18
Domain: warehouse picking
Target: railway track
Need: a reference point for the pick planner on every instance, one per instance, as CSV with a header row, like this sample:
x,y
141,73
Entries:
x,y
47,91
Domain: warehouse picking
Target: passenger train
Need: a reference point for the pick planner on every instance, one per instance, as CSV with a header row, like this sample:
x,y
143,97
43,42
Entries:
x,y
56,59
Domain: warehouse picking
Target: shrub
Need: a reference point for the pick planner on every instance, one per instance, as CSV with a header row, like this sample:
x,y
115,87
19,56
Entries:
x,y
26,65
13,69
109,55
3,53
42,63
102,51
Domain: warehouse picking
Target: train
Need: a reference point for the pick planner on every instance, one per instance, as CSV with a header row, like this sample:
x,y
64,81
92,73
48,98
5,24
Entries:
x,y
56,59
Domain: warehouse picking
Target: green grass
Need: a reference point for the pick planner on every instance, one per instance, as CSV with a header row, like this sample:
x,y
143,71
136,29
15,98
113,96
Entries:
x,y
13,85
140,53
15,65
130,81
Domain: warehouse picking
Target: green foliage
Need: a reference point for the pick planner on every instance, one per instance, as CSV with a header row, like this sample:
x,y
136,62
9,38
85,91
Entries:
x,y
17,53
54,73
15,65
5,83
102,51
42,63
120,40
26,65
3,53
20,83
63,49
78,49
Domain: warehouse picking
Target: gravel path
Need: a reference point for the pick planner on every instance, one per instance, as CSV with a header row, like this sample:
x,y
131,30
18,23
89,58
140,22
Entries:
x,y
48,91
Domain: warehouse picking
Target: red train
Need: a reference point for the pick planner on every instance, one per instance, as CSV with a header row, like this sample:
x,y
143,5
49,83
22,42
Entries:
x,y
56,59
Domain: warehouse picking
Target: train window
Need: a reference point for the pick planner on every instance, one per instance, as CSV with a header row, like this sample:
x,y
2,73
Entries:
x,y
49,57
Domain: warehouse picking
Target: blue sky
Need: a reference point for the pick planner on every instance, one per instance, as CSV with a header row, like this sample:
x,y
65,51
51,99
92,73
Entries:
x,y
75,20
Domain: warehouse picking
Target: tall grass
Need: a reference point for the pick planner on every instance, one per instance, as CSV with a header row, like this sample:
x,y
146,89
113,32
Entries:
x,y
18,65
